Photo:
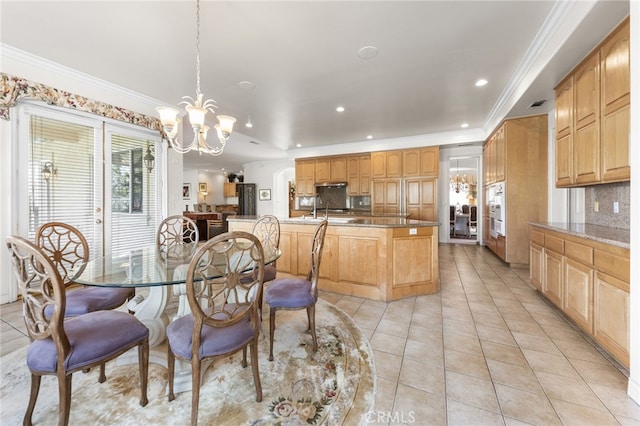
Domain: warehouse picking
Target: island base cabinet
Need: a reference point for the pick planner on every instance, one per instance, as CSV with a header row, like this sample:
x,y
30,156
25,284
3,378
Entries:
x,y
374,262
536,265
611,315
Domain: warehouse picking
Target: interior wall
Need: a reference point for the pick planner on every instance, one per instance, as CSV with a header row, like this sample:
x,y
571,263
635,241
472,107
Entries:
x,y
273,175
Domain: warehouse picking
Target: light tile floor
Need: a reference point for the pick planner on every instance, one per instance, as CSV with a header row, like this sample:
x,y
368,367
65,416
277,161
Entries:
x,y
486,350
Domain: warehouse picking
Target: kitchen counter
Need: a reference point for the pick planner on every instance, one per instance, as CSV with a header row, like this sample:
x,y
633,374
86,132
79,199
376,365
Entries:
x,y
379,258
351,221
604,234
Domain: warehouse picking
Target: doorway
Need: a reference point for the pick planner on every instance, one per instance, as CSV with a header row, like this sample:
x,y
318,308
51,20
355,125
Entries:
x,y
463,200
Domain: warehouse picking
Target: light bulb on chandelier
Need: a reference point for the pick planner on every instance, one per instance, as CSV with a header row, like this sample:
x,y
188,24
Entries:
x,y
197,110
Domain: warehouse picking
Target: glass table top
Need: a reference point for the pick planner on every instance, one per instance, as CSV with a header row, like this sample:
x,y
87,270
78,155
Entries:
x,y
144,267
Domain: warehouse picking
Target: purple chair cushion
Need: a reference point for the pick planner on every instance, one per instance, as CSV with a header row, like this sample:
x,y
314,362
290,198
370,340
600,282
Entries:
x,y
289,293
214,341
90,299
93,336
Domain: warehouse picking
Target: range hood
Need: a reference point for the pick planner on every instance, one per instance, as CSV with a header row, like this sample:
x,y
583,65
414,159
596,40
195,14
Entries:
x,y
336,184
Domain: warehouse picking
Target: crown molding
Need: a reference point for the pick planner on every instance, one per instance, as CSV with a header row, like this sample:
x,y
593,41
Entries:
x,y
562,20
20,56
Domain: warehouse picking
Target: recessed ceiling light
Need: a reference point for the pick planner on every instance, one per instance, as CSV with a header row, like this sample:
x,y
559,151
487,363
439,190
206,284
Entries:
x,y
368,52
465,125
298,145
247,85
369,137
481,82
340,109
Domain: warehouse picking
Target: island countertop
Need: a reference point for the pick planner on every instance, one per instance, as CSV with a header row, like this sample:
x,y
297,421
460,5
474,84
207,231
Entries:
x,y
368,222
604,234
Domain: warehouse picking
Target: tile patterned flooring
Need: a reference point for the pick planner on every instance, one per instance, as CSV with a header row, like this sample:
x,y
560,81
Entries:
x,y
486,350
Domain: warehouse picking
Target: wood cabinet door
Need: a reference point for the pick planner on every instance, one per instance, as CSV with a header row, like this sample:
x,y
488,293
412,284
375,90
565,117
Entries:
x,y
353,175
564,108
394,164
611,315
339,169
536,265
378,165
386,196
411,162
553,274
500,153
365,174
229,189
564,160
586,139
305,177
420,198
323,170
578,297
614,102
430,161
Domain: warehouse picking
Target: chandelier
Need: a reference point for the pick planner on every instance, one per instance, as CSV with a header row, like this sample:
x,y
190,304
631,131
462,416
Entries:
x,y
458,183
197,110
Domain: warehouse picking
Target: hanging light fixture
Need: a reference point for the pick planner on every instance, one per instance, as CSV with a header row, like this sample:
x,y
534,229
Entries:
x,y
197,110
458,184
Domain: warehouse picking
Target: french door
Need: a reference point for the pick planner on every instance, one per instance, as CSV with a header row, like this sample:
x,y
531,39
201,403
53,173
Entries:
x,y
90,173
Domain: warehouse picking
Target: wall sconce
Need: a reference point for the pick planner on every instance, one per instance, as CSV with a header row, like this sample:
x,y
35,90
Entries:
x,y
48,170
149,159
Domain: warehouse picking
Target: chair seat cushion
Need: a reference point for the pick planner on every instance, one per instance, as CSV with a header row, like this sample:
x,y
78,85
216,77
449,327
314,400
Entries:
x,y
90,299
289,293
214,340
93,337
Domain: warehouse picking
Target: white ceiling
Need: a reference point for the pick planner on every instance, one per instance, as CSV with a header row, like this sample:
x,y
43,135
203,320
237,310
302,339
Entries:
x,y
302,57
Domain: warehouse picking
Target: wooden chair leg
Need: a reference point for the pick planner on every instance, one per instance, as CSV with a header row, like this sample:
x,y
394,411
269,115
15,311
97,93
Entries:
x,y
102,377
272,329
255,369
35,388
311,313
171,364
195,389
64,393
244,357
143,364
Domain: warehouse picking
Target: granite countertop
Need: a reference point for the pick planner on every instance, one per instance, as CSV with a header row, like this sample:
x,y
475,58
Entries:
x,y
604,234
372,222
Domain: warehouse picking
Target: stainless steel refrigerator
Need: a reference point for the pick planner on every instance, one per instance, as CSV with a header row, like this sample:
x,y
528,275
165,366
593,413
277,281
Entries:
x,y
246,199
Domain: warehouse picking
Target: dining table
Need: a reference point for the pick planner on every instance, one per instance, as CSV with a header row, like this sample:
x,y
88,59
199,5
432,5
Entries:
x,y
152,268
161,273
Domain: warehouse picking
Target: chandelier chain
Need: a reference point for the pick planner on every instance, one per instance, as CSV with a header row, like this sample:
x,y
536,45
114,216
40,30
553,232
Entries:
x,y
197,48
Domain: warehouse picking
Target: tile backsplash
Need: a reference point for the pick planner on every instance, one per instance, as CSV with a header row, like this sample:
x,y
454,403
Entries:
x,y
605,196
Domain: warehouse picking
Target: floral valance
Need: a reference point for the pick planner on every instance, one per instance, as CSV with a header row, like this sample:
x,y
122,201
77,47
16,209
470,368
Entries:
x,y
15,88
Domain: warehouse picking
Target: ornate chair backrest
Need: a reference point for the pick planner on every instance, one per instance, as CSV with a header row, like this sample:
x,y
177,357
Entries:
x,y
177,237
65,246
473,215
217,297
40,285
316,255
465,209
267,229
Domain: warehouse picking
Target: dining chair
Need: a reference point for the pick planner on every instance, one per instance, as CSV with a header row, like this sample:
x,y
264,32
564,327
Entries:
x,y
177,239
267,229
61,347
67,248
224,312
293,293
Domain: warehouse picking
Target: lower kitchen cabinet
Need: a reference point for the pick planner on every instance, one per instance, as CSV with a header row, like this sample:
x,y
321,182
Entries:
x,y
588,280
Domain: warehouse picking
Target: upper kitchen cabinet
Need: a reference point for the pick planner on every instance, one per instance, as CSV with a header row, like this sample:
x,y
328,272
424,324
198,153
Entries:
x,y
421,162
592,116
305,177
338,169
323,169
359,174
386,164
615,99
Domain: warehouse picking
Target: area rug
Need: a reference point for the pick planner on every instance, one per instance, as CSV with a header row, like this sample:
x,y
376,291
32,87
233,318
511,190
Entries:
x,y
333,386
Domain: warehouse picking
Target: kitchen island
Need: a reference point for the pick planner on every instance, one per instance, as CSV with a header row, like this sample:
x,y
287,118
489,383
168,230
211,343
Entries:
x,y
379,258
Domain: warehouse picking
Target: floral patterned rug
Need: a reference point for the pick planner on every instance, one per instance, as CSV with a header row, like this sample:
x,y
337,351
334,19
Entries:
x,y
333,386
